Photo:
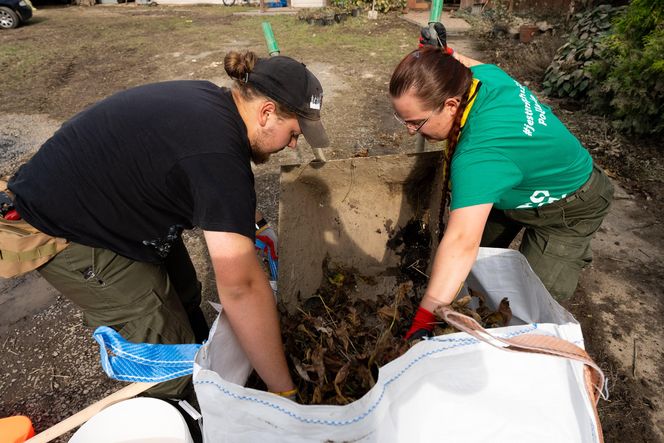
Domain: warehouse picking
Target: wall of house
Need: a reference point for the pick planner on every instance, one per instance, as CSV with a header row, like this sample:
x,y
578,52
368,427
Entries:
x,y
307,3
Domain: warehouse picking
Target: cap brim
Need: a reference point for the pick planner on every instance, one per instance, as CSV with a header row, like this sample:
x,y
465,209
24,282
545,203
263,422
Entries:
x,y
313,132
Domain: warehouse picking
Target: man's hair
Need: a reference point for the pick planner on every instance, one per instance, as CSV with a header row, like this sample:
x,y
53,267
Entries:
x,y
238,66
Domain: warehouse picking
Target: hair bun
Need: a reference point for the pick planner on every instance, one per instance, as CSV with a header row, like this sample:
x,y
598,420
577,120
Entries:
x,y
238,65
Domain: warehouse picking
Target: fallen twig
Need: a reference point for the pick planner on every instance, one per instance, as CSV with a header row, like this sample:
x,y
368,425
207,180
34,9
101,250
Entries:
x,y
647,225
634,360
617,259
412,266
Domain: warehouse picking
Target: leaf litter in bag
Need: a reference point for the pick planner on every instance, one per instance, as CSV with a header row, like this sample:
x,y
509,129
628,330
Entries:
x,y
337,338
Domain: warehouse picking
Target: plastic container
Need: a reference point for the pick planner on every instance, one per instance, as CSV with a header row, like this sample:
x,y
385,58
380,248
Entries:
x,y
15,429
139,420
527,32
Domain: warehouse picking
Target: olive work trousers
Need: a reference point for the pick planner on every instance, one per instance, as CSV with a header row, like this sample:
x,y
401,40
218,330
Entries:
x,y
557,236
144,302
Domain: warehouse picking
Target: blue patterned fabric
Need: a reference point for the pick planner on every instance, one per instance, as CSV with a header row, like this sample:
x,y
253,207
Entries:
x,y
143,362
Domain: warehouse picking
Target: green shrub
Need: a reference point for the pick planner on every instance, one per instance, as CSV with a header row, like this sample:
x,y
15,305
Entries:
x,y
570,73
630,84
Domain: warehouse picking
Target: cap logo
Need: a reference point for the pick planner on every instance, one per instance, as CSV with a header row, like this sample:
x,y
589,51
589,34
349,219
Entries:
x,y
316,101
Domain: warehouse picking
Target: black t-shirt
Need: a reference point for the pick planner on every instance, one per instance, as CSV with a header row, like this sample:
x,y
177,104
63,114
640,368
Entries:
x,y
130,172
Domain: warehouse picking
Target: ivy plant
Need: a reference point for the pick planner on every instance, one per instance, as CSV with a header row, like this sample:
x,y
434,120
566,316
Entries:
x,y
570,73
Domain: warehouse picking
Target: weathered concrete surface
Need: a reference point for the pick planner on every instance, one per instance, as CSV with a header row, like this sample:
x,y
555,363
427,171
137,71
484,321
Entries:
x,y
347,211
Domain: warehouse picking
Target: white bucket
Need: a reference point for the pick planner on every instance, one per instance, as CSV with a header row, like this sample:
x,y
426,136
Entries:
x,y
138,420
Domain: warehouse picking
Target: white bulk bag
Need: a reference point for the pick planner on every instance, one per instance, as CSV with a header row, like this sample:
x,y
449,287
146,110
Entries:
x,y
455,387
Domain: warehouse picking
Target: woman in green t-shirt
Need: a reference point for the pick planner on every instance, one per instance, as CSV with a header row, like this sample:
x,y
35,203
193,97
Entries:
x,y
513,165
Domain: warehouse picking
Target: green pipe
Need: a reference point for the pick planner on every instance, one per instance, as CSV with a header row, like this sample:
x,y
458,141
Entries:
x,y
272,47
434,16
436,9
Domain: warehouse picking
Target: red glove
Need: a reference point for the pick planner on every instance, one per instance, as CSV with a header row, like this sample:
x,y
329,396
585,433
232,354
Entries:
x,y
422,326
12,215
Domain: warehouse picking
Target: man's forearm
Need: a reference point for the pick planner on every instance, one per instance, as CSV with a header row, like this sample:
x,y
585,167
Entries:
x,y
252,313
247,298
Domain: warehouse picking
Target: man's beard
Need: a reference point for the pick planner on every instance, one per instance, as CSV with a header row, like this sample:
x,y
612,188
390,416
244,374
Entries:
x,y
259,157
259,154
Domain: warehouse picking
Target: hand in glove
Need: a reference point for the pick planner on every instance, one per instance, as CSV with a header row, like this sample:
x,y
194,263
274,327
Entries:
x,y
439,39
422,326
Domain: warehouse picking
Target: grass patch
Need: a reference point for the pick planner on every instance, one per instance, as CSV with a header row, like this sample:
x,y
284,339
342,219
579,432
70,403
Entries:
x,y
79,55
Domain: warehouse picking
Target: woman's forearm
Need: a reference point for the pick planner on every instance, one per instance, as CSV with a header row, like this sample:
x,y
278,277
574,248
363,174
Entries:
x,y
453,261
456,254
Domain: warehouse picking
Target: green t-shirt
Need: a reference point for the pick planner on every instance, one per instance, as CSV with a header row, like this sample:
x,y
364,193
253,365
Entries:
x,y
513,152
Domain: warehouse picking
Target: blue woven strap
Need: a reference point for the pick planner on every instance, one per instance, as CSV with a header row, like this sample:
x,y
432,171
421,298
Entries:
x,y
273,263
144,362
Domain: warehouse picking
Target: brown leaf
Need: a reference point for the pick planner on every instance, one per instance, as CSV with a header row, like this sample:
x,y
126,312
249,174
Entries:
x,y
494,320
317,397
443,329
300,370
342,334
505,311
386,312
318,364
352,317
341,376
461,302
324,330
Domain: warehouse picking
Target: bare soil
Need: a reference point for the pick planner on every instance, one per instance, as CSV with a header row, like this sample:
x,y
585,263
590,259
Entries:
x,y
67,58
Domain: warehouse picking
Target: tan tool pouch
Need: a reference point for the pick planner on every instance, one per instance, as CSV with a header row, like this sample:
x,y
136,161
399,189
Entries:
x,y
23,247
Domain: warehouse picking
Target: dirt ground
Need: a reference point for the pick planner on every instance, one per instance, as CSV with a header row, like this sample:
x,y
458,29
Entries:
x,y
67,58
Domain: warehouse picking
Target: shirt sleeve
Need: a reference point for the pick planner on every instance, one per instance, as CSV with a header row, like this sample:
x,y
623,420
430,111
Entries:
x,y
479,179
222,191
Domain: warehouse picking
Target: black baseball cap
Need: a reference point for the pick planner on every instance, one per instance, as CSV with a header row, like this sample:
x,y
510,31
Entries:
x,y
291,84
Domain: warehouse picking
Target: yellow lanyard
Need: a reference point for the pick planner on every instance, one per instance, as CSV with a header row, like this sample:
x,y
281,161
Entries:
x,y
472,93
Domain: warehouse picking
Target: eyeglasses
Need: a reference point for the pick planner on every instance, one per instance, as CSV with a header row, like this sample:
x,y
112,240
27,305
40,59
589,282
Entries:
x,y
413,126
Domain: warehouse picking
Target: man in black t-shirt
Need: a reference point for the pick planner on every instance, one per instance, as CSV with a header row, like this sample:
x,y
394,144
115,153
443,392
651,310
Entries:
x,y
123,179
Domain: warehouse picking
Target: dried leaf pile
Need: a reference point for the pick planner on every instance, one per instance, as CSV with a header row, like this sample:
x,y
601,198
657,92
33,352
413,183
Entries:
x,y
336,341
482,314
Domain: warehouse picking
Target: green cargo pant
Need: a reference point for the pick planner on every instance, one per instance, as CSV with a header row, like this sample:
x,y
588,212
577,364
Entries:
x,y
144,302
556,240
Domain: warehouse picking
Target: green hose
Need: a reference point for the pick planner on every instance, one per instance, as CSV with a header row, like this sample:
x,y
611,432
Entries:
x,y
436,9
434,16
272,47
